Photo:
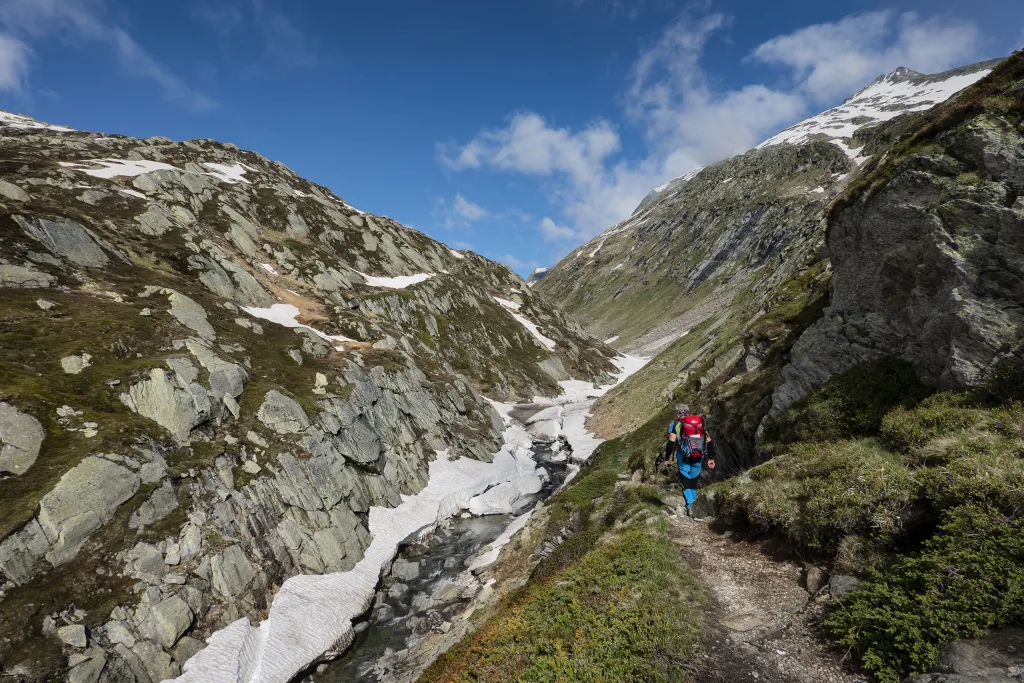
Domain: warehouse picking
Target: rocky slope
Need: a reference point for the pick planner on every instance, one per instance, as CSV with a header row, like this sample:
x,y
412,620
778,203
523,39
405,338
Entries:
x,y
212,368
732,256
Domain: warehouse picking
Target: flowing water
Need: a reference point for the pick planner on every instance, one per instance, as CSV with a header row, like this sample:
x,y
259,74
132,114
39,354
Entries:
x,y
428,586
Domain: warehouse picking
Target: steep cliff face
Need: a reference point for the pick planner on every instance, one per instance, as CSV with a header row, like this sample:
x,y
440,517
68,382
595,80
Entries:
x,y
927,254
212,368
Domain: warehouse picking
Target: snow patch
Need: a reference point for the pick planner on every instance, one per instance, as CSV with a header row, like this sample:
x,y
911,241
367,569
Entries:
x,y
399,282
512,307
232,175
133,193
19,121
286,315
269,268
114,168
612,340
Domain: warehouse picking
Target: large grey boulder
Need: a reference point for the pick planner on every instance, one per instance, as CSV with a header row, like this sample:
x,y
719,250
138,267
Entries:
x,y
232,571
13,192
167,621
173,400
162,502
282,414
22,553
21,437
186,311
20,277
84,499
66,239
226,378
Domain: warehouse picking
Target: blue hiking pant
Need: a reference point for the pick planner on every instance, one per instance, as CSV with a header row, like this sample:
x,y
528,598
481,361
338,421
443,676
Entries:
x,y
690,472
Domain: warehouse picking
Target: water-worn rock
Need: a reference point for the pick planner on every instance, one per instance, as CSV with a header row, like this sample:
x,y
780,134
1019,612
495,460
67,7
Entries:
x,y
84,499
21,437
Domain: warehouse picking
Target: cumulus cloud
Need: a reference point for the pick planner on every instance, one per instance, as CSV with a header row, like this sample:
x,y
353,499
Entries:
x,y
834,59
14,58
687,123
75,21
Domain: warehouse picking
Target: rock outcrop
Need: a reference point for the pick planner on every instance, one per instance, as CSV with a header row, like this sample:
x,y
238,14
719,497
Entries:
x,y
927,256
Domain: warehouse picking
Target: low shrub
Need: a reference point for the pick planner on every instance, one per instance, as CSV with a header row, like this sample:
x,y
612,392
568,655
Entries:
x,y
628,611
905,429
969,577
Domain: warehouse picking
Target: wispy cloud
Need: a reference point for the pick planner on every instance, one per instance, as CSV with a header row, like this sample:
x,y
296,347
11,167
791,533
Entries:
x,y
14,64
76,21
688,123
264,26
468,210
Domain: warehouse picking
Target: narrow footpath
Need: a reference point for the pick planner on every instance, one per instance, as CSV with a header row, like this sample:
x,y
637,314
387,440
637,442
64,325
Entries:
x,y
760,618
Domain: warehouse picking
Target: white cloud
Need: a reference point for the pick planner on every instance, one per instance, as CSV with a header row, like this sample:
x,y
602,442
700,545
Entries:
x,y
462,245
75,21
833,60
688,123
14,57
553,231
468,210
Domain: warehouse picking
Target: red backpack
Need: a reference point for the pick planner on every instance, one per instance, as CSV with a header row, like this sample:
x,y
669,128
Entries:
x,y
690,436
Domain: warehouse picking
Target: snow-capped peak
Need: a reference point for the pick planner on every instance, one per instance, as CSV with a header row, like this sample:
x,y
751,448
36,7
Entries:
x,y
888,96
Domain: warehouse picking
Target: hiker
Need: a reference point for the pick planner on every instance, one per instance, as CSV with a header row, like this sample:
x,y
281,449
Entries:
x,y
689,443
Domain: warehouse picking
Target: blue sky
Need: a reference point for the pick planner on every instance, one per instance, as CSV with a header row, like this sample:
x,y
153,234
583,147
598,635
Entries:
x,y
516,129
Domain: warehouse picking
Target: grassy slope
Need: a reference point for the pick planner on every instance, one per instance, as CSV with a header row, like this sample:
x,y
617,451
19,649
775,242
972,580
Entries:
x,y
613,602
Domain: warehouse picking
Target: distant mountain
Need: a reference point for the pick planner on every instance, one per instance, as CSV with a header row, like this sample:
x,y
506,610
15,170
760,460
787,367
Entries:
x,y
537,275
713,251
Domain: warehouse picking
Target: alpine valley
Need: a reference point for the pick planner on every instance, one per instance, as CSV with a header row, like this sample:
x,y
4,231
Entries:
x,y
252,434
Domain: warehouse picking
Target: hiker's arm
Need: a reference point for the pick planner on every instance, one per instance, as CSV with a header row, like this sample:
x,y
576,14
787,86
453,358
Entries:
x,y
711,454
670,445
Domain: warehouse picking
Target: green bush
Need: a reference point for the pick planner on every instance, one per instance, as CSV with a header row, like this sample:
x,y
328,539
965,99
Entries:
x,y
969,577
850,405
819,494
907,428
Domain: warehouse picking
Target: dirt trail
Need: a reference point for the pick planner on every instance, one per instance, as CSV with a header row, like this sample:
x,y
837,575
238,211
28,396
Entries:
x,y
760,620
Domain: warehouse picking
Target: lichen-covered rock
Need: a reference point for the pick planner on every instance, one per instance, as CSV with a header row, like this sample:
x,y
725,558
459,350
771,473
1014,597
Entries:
x,y
24,278
167,621
13,192
21,437
927,265
67,239
74,365
232,571
84,499
171,400
282,414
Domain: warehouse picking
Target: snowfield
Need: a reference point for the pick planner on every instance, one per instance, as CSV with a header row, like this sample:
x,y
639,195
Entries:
x,y
115,168
19,121
399,282
312,615
228,174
